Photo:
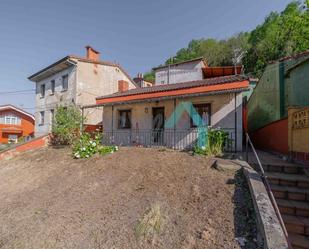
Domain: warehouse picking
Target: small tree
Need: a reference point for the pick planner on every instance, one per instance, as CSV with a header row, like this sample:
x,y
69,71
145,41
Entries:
x,y
66,125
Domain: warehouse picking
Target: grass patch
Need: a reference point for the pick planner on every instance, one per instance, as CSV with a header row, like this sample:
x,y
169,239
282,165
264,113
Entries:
x,y
151,224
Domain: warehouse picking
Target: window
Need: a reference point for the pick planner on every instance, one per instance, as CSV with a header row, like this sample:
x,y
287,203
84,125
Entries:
x,y
41,122
52,86
201,115
12,139
42,90
124,119
10,119
65,82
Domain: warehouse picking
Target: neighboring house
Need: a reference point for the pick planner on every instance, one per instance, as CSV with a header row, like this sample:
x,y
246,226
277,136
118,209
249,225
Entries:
x,y
139,80
180,72
15,123
283,85
164,114
75,80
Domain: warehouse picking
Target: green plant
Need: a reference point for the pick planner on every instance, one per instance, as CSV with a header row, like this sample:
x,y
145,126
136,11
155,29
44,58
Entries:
x,y
66,125
217,138
215,142
102,150
87,145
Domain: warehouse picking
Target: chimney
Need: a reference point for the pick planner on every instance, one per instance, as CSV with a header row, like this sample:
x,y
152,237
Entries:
x,y
92,54
123,86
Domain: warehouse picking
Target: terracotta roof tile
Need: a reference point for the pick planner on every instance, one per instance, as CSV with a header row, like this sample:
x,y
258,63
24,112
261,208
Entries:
x,y
177,86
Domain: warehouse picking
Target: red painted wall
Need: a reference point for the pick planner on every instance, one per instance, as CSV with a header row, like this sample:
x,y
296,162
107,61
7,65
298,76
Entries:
x,y
27,125
273,137
34,144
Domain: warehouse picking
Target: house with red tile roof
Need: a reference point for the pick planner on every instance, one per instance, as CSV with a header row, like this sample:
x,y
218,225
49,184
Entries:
x,y
15,123
75,80
143,116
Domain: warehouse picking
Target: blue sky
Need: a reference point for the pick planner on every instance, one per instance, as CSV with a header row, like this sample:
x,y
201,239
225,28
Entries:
x,y
138,34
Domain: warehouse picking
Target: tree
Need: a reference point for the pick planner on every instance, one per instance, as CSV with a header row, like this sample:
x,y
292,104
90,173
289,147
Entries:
x,y
281,34
66,125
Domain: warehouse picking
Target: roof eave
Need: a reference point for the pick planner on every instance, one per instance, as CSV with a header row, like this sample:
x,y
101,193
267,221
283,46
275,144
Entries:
x,y
238,90
50,70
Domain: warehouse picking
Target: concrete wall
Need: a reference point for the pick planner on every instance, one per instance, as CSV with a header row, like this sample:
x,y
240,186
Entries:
x,y
297,86
180,73
96,80
264,103
222,114
50,102
86,82
272,137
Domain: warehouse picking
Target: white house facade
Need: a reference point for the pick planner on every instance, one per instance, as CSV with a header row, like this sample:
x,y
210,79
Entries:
x,y
180,72
76,81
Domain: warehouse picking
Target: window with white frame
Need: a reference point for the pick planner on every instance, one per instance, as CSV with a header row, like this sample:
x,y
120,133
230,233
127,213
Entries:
x,y
41,121
65,82
10,119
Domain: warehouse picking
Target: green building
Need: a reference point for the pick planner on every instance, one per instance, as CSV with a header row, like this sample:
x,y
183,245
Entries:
x,y
284,83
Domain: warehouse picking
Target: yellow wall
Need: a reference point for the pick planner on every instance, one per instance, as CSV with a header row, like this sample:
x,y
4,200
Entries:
x,y
298,129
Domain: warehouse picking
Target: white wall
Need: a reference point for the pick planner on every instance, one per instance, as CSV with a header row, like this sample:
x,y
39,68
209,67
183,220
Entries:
x,y
95,80
222,114
180,73
49,102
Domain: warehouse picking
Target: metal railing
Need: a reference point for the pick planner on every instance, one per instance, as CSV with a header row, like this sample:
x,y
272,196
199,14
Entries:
x,y
267,186
172,138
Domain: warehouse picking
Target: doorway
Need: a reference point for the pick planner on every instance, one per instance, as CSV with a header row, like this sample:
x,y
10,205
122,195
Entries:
x,y
158,125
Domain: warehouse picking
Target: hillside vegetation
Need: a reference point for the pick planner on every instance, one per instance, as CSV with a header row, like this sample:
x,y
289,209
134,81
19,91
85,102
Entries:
x,y
281,34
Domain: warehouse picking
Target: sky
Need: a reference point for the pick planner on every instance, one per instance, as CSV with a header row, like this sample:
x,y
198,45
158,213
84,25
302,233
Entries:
x,y
138,34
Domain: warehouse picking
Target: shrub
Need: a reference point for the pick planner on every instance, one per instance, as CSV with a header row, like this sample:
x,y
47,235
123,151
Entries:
x,y
216,140
87,145
66,125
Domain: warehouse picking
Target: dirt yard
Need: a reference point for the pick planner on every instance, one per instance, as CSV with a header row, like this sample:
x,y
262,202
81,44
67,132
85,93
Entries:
x,y
134,198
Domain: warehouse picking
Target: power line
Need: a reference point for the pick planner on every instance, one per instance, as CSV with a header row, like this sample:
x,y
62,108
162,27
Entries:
x,y
27,91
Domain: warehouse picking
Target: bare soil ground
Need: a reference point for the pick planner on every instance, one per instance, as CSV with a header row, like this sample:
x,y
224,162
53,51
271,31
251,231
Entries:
x,y
49,200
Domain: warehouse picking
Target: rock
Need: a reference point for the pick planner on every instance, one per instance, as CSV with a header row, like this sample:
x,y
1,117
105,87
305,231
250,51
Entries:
x,y
225,165
241,241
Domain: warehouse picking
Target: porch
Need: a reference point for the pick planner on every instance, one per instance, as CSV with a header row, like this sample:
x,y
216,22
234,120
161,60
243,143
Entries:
x,y
184,139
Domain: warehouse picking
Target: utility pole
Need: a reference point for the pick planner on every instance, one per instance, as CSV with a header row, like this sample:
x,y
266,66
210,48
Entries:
x,y
238,54
168,69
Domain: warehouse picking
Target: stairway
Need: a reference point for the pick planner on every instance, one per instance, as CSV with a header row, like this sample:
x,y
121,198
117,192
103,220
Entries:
x,y
290,187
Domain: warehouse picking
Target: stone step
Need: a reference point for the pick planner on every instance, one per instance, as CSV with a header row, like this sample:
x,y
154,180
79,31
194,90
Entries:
x,y
291,180
298,208
290,193
297,225
283,168
299,241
